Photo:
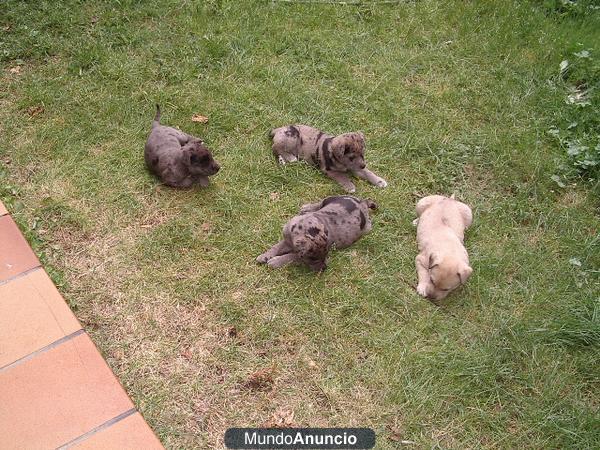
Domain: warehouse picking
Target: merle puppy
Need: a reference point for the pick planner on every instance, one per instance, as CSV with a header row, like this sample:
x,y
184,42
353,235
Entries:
x,y
334,155
309,236
177,158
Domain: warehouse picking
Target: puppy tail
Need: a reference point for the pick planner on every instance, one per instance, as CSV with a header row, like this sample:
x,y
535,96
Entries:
x,y
157,116
370,203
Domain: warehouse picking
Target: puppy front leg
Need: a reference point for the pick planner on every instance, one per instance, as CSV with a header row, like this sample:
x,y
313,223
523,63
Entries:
x,y
366,174
182,138
341,179
182,183
280,248
203,181
422,263
282,260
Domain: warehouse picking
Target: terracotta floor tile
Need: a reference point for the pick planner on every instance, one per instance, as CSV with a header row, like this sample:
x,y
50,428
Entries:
x,y
2,209
131,433
57,396
15,254
32,315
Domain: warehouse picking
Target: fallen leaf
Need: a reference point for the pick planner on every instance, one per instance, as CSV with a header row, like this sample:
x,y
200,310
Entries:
x,y
261,379
199,118
557,180
575,148
579,94
35,110
283,418
274,196
582,54
232,332
187,353
564,67
15,70
94,20
237,295
575,262
396,436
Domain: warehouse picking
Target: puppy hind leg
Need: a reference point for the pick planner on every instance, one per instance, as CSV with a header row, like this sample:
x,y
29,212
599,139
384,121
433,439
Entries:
x,y
466,214
282,155
284,147
310,207
426,202
286,158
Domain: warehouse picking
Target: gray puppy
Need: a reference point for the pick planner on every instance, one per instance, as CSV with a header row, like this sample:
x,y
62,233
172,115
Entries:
x,y
309,236
177,158
334,155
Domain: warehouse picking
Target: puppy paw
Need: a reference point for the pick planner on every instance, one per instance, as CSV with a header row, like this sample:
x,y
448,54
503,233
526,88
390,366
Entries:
x,y
281,160
262,259
415,222
350,189
381,183
422,289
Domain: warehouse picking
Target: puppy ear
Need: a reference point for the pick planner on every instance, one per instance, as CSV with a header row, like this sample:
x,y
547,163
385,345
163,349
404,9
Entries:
x,y
464,273
337,148
371,204
434,261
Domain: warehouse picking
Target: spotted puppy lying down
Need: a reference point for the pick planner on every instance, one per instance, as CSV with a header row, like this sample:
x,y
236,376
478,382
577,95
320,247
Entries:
x,y
177,158
334,155
308,237
443,262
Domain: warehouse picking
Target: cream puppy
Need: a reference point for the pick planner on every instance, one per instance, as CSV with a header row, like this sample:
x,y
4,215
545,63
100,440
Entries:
x,y
442,262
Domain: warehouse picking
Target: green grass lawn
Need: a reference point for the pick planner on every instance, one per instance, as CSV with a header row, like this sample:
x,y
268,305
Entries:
x,y
453,97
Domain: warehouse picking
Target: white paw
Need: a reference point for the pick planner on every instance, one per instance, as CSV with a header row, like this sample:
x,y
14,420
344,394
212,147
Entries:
x,y
281,160
381,183
351,190
422,289
293,159
415,222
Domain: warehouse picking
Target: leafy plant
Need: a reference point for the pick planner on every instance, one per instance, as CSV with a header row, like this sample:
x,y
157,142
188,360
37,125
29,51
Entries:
x,y
579,132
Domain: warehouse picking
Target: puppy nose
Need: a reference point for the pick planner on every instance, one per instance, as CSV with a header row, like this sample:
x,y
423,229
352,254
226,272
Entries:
x,y
217,168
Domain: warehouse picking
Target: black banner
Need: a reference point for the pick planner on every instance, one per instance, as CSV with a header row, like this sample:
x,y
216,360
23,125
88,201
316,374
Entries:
x,y
299,438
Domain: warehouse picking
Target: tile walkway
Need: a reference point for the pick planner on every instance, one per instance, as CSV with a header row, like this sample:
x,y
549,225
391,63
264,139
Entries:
x,y
56,391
